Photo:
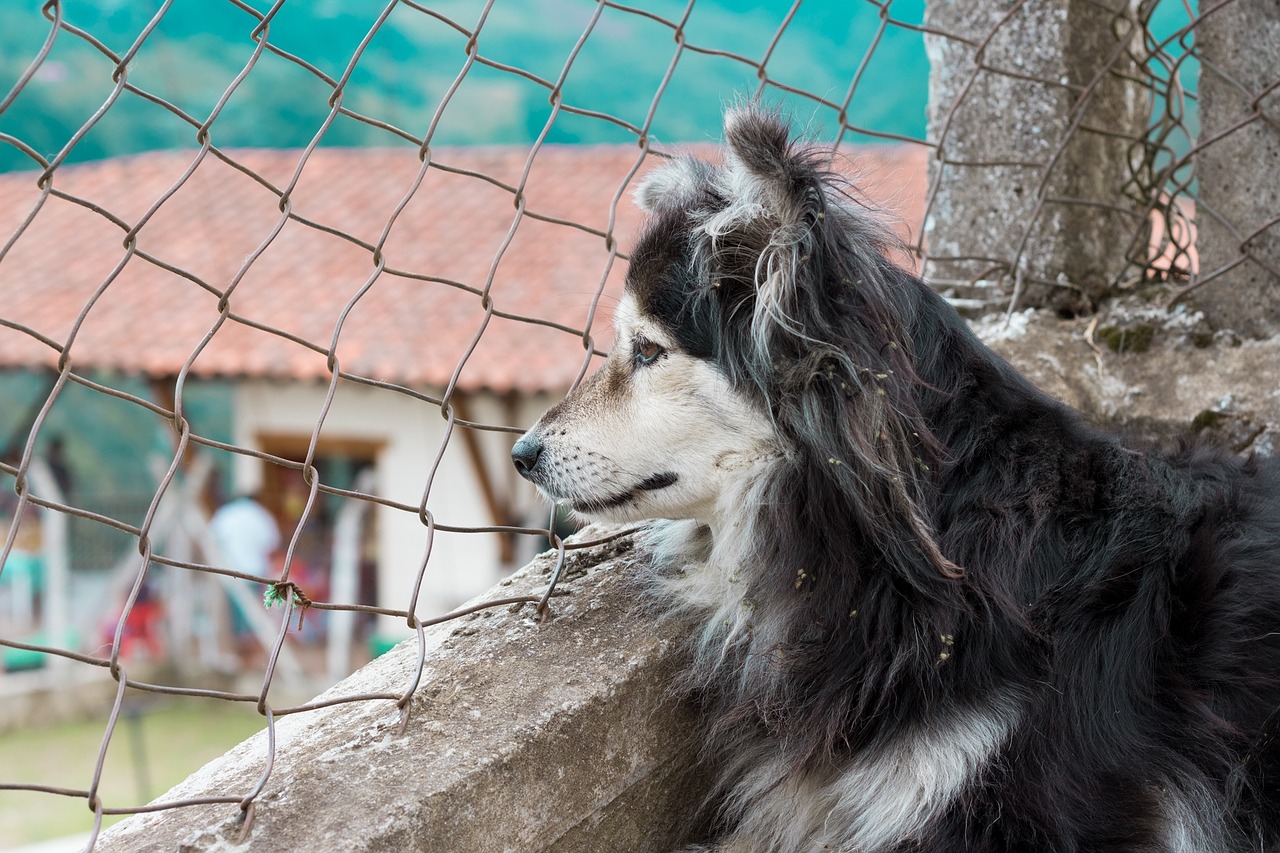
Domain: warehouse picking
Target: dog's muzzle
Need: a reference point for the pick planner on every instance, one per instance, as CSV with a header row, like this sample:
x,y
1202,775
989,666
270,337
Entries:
x,y
525,454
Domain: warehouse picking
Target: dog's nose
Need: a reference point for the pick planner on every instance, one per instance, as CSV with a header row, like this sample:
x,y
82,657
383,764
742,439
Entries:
x,y
525,454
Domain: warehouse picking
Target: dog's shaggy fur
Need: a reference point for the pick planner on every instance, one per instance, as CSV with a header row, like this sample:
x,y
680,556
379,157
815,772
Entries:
x,y
941,613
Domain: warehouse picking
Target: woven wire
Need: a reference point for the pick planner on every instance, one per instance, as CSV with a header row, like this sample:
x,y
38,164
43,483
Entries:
x,y
1161,182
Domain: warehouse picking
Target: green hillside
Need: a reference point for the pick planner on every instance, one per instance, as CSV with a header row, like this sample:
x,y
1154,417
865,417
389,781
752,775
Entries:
x,y
199,46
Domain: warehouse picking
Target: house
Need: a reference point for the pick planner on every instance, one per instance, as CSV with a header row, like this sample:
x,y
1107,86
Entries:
x,y
366,307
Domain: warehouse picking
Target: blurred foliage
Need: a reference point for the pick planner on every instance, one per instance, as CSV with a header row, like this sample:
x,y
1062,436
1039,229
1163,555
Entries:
x,y
198,47
109,459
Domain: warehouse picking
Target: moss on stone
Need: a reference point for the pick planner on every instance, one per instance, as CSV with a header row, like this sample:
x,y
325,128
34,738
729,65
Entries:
x,y
1207,419
1131,339
1202,340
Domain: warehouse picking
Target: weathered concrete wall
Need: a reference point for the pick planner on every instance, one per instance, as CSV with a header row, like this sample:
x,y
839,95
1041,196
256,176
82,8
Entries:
x,y
1155,376
523,737
1238,167
1025,184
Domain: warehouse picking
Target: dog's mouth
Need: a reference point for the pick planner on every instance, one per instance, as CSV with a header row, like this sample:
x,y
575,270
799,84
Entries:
x,y
649,484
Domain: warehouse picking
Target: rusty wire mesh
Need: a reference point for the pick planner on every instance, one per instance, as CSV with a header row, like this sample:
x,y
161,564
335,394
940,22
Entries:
x,y
1157,197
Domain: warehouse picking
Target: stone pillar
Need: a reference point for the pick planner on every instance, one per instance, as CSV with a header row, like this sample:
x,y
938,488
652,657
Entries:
x,y
1238,165
1033,115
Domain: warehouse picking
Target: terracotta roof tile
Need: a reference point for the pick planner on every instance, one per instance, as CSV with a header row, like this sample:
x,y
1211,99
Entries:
x,y
407,324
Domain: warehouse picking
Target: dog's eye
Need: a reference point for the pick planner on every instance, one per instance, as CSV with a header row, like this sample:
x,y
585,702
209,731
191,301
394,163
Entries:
x,y
646,352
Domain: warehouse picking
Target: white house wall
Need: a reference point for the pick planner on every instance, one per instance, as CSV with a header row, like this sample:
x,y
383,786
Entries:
x,y
461,564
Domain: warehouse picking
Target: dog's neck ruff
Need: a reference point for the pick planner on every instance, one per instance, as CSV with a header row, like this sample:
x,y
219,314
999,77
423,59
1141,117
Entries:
x,y
890,790
707,571
871,804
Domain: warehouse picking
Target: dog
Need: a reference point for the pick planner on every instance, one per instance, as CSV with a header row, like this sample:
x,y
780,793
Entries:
x,y
937,610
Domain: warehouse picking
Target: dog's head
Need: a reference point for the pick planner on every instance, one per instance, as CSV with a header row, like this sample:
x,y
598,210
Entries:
x,y
760,327
658,430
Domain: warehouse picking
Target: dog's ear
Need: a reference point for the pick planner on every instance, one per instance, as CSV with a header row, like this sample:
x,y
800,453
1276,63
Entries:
x,y
674,184
775,210
768,171
827,334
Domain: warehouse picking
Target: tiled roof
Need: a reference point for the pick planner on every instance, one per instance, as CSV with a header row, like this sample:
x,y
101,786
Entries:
x,y
149,319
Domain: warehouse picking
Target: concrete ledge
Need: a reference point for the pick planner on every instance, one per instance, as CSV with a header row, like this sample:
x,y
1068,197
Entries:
x,y
523,736
1181,379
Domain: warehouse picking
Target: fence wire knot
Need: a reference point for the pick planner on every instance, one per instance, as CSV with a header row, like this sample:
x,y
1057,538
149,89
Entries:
x,y
290,593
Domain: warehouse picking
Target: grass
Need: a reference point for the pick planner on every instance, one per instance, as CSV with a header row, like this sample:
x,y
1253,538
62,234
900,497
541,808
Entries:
x,y
152,750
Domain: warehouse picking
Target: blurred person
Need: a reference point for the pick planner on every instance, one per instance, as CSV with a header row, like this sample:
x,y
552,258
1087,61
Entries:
x,y
246,536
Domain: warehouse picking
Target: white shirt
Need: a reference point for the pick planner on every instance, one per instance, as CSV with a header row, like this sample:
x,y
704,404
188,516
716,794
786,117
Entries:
x,y
245,534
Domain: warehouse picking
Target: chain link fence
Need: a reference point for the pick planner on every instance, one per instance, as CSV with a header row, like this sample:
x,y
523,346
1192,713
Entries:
x,y
1076,152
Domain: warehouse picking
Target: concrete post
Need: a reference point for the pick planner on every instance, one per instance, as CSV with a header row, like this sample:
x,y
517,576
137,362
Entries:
x,y
1033,117
1238,165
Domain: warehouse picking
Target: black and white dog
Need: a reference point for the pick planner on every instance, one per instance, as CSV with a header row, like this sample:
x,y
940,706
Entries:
x,y
940,612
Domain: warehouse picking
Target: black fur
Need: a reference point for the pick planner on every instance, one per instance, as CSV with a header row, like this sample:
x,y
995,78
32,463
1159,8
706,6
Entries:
x,y
942,533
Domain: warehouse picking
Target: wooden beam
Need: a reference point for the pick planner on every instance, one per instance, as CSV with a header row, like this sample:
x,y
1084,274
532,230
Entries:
x,y
499,508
